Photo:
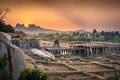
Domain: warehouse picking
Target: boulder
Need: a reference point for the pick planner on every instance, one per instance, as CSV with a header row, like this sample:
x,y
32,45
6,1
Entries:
x,y
17,57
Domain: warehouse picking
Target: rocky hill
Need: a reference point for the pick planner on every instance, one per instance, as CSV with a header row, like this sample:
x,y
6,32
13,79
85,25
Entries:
x,y
33,29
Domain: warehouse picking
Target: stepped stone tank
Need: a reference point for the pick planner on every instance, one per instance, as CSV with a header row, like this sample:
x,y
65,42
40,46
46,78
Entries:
x,y
15,58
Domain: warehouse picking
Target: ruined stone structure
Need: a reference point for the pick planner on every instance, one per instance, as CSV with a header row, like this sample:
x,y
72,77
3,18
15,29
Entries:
x,y
87,50
96,49
59,51
26,44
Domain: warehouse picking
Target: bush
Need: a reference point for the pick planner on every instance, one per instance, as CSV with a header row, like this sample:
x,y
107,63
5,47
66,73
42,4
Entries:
x,y
6,28
4,75
29,74
116,75
3,62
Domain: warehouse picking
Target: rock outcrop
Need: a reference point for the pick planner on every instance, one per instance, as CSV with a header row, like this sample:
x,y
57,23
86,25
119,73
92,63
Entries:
x,y
13,54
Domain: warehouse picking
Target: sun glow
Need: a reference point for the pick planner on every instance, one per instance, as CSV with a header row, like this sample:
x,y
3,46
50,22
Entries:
x,y
26,25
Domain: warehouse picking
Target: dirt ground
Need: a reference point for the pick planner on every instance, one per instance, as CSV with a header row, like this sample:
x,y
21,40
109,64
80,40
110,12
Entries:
x,y
64,65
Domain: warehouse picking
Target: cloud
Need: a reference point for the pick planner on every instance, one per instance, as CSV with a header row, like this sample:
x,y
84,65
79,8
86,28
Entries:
x,y
90,17
77,12
61,2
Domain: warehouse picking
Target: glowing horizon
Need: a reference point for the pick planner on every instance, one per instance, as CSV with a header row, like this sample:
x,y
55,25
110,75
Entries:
x,y
64,15
26,25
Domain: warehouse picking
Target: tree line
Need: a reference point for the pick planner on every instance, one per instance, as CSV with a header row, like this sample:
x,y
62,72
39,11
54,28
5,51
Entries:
x,y
104,36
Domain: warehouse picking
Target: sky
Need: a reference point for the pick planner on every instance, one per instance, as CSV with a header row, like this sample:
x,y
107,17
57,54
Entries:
x,y
65,15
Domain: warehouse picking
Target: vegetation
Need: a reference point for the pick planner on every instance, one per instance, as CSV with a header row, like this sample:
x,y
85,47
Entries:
x,y
113,36
29,74
116,75
5,27
3,74
3,62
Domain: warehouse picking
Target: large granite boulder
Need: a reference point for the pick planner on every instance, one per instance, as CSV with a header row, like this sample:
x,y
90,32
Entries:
x,y
17,57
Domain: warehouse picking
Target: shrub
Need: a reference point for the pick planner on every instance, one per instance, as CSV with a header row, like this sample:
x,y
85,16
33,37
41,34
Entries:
x,y
3,62
29,74
6,28
4,75
116,75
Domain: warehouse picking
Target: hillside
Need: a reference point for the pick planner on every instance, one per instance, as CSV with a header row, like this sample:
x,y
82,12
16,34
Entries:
x,y
33,29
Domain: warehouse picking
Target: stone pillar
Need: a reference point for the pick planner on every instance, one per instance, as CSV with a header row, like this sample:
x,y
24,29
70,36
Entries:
x,y
118,50
93,51
88,52
79,52
96,52
67,52
71,52
115,50
103,51
84,51
110,50
63,52
75,52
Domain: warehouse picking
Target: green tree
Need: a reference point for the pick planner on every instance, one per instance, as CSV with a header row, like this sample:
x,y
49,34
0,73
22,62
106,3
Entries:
x,y
94,31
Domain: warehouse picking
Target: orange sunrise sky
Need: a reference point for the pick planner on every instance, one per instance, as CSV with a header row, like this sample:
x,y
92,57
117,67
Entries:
x,y
64,14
